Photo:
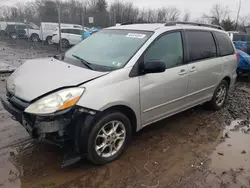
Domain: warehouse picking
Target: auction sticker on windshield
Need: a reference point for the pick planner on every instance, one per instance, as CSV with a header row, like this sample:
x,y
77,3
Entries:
x,y
136,35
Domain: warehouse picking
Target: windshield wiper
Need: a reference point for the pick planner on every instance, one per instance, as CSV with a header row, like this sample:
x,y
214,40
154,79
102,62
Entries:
x,y
87,64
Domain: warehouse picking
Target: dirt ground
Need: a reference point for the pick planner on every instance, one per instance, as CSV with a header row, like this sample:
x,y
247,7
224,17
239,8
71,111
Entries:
x,y
197,148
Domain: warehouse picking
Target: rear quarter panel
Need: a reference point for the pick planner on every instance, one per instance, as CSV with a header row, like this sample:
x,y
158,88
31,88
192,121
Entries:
x,y
229,66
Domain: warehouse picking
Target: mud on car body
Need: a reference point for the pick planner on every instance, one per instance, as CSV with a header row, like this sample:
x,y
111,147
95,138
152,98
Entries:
x,y
120,80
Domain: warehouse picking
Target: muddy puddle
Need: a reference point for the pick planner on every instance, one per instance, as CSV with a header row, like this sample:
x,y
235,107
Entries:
x,y
231,158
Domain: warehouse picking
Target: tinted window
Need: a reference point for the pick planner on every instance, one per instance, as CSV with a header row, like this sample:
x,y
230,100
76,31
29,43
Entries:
x,y
225,45
201,45
21,27
64,31
237,37
248,38
75,31
29,27
168,49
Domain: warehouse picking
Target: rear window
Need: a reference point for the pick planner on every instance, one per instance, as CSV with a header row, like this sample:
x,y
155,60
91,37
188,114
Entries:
x,y
201,45
225,45
237,37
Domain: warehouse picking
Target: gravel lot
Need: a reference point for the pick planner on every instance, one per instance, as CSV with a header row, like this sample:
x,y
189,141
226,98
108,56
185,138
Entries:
x,y
197,148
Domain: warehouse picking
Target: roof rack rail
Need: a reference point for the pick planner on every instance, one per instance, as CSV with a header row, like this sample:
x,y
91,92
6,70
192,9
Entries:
x,y
130,23
195,24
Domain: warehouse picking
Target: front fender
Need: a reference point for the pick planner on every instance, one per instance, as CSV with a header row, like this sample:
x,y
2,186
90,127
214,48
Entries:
x,y
116,88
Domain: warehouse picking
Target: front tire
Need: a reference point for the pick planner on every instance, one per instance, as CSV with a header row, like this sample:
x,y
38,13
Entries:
x,y
34,38
220,96
108,138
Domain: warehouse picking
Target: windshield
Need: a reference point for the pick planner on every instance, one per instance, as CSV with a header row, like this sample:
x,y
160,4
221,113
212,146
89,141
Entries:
x,y
107,49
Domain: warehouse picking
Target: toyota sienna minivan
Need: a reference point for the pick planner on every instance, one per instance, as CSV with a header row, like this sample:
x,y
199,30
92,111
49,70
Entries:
x,y
120,80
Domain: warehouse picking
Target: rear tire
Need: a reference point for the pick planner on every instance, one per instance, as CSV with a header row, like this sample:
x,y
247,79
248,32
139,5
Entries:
x,y
108,138
220,96
65,43
13,36
49,40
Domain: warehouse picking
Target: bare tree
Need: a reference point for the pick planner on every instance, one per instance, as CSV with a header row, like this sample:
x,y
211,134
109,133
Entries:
x,y
167,14
186,16
217,14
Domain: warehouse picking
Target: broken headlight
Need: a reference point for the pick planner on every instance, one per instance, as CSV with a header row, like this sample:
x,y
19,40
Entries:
x,y
57,101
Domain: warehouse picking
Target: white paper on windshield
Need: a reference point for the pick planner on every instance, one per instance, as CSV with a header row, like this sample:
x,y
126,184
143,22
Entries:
x,y
136,35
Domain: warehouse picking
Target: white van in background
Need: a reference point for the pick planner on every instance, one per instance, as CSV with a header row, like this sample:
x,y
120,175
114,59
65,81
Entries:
x,y
48,28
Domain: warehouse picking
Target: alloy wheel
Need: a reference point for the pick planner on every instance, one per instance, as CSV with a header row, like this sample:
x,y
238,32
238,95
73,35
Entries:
x,y
110,139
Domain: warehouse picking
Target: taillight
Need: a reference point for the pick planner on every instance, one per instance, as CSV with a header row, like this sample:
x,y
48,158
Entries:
x,y
238,57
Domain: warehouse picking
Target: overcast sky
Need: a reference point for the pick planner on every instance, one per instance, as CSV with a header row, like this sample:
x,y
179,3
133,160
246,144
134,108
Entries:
x,y
195,7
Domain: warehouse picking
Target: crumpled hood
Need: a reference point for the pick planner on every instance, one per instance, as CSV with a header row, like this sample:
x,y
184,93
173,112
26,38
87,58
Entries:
x,y
40,76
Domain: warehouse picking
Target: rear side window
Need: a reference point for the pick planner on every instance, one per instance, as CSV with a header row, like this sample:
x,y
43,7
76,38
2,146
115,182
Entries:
x,y
201,45
225,45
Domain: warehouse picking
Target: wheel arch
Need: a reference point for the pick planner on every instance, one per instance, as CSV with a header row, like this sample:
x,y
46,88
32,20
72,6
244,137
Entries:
x,y
228,79
34,34
127,111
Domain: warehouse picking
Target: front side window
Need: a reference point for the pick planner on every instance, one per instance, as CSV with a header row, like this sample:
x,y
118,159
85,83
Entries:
x,y
75,31
225,45
168,48
201,45
64,31
110,49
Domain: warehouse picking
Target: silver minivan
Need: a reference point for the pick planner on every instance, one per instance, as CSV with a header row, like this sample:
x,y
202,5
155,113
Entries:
x,y
118,81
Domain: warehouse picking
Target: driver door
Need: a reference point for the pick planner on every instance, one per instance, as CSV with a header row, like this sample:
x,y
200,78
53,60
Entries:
x,y
163,94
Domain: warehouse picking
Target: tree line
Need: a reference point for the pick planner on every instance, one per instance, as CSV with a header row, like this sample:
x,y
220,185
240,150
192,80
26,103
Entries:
x,y
78,11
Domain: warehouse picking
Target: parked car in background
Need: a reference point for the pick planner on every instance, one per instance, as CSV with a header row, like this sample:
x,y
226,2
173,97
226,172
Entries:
x,y
118,81
69,36
3,26
89,32
240,39
17,29
48,28
239,36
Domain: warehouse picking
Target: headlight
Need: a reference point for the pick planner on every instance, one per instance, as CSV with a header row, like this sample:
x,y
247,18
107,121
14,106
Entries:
x,y
57,101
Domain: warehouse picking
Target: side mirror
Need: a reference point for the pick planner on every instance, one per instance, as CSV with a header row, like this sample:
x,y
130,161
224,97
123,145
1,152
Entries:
x,y
154,66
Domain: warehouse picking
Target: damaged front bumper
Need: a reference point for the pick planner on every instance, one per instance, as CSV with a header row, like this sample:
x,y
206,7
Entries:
x,y
59,128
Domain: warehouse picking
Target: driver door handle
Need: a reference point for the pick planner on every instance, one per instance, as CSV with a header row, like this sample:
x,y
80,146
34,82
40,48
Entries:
x,y
193,69
183,72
